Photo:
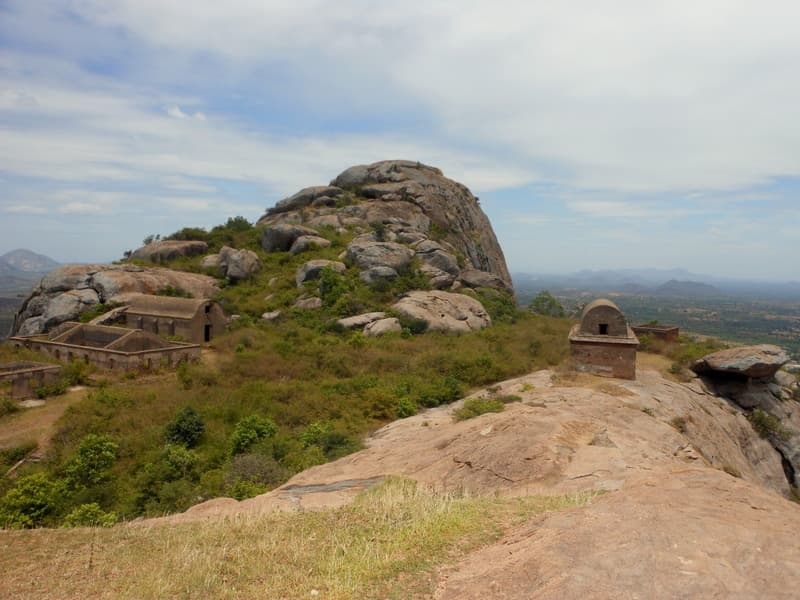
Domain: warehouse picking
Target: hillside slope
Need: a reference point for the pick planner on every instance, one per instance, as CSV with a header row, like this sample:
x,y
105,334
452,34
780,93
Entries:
x,y
692,506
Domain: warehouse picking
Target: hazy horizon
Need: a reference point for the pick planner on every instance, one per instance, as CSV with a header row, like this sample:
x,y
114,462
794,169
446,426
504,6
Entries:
x,y
596,137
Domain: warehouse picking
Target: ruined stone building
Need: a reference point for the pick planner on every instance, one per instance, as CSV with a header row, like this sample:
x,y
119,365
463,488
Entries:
x,y
603,343
666,333
25,376
109,347
194,320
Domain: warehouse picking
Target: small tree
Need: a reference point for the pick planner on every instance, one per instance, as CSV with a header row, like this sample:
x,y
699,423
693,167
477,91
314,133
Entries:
x,y
90,464
30,501
546,304
186,428
250,430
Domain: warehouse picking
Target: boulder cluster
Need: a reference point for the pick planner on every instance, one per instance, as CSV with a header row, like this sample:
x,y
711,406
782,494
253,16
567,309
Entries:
x,y
405,211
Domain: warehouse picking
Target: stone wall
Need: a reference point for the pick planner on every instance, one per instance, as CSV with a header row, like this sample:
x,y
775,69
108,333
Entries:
x,y
607,360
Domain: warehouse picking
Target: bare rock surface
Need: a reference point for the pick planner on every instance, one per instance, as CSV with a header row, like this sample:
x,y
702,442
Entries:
x,y
444,311
166,250
69,290
680,533
749,361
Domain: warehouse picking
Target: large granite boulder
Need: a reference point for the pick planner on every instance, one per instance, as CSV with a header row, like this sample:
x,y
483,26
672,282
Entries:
x,y
382,327
166,250
308,242
313,269
238,265
366,254
747,361
444,311
279,238
360,321
69,290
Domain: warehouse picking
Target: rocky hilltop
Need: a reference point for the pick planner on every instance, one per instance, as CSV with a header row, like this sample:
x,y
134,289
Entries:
x,y
397,217
412,210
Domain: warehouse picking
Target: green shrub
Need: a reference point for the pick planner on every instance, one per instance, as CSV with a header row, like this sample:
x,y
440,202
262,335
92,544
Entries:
x,y
11,456
186,428
333,443
8,407
55,388
91,462
76,372
250,430
89,515
546,304
767,425
32,499
474,407
406,408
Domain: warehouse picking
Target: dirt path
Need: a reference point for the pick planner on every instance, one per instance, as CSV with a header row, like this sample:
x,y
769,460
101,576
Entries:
x,y
36,424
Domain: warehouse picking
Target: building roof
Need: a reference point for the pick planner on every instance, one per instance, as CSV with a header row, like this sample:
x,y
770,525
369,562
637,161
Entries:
x,y
165,306
600,302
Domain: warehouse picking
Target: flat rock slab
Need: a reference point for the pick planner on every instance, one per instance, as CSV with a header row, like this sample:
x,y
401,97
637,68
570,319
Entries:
x,y
682,533
750,361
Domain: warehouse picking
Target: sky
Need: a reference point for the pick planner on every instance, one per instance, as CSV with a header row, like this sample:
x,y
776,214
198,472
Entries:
x,y
598,134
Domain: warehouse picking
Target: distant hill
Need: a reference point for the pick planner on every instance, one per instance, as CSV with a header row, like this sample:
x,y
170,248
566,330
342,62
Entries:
x,y
20,269
26,261
687,289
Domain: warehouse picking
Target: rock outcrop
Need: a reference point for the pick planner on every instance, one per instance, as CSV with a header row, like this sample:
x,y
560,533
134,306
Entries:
x,y
69,290
166,250
407,211
444,311
748,361
749,376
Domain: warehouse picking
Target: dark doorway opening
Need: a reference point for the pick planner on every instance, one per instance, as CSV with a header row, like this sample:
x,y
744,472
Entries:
x,y
207,333
603,328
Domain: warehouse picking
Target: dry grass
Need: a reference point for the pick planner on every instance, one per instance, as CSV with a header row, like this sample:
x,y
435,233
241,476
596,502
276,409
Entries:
x,y
381,546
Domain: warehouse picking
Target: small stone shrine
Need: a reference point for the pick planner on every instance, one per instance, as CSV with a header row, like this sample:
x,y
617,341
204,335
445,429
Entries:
x,y
603,343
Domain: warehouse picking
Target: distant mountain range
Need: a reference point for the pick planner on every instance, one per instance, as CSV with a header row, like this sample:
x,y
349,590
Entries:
x,y
20,269
656,282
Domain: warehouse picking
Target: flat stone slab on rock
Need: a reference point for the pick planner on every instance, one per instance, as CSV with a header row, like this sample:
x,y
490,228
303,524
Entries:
x,y
444,311
750,361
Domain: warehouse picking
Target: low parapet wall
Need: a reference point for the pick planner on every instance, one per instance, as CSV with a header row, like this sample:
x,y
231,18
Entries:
x,y
105,358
